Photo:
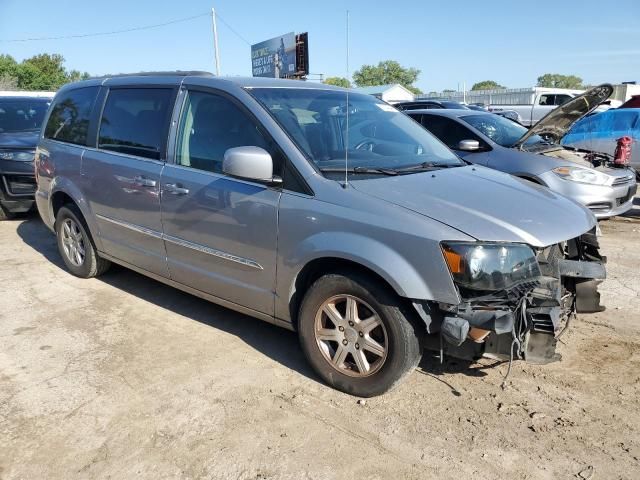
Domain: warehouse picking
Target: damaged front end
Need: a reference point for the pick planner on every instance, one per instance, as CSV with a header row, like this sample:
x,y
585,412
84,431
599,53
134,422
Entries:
x,y
516,301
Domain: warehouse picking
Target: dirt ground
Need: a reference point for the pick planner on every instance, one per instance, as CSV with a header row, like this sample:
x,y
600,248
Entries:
x,y
122,377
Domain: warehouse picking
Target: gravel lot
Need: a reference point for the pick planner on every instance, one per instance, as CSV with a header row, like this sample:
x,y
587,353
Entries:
x,y
123,377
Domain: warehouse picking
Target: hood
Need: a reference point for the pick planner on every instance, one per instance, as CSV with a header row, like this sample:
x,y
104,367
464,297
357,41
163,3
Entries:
x,y
485,204
555,124
20,140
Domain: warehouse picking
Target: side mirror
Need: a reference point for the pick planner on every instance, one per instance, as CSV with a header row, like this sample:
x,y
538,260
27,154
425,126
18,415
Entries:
x,y
250,163
469,145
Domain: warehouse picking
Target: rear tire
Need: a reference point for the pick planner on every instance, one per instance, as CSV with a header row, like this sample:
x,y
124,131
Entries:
x,y
357,334
76,245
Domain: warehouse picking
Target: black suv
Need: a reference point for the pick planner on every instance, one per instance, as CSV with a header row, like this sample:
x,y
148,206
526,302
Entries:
x,y
21,117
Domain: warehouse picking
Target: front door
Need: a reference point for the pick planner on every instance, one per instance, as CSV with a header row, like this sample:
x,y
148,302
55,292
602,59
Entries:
x,y
123,175
220,232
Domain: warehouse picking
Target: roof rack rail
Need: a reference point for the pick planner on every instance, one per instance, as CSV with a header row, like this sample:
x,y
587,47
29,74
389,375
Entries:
x,y
174,73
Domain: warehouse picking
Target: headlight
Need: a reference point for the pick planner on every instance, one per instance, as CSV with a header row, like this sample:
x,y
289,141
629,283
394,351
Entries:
x,y
17,155
582,175
490,266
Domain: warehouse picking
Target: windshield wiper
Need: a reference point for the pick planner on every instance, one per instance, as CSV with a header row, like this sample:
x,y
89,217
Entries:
x,y
425,167
357,170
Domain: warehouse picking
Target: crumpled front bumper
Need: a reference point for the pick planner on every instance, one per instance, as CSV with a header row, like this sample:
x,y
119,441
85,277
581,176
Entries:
x,y
525,321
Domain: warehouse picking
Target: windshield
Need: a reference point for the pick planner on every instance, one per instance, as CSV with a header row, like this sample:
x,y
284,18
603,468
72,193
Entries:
x,y
22,115
501,130
378,136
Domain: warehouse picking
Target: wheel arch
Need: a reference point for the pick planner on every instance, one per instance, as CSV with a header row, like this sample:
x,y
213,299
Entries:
x,y
320,267
62,192
359,254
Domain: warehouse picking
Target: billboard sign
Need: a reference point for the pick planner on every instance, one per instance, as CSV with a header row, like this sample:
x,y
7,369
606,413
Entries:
x,y
275,58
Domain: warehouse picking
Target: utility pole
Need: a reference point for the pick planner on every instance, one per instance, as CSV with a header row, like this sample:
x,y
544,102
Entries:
x,y
215,41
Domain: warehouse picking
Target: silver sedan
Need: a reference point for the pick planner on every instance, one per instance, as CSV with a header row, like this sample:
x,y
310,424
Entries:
x,y
493,141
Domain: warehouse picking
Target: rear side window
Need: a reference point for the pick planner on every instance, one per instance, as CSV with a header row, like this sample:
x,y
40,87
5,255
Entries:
x,y
135,121
70,115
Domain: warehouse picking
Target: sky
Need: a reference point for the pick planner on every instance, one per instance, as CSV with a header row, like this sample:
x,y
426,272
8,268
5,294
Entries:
x,y
452,43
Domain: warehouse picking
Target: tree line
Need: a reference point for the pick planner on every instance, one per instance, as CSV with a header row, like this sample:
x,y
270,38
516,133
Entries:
x,y
47,72
40,72
391,72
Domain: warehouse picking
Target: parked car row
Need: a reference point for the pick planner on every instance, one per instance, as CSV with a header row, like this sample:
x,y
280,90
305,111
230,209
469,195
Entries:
x,y
324,211
21,117
536,154
424,104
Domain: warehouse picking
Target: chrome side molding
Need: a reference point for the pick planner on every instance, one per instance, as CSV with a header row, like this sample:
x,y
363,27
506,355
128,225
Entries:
x,y
183,243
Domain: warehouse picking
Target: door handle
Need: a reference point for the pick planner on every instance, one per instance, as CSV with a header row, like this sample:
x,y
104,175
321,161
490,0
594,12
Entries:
x,y
175,189
141,181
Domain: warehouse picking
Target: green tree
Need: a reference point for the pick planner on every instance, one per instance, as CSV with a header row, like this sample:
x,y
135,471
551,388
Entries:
x,y
7,82
75,76
387,72
8,70
43,72
40,72
8,65
338,82
487,85
556,80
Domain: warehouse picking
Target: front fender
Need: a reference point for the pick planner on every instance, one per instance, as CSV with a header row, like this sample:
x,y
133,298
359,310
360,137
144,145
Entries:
x,y
382,259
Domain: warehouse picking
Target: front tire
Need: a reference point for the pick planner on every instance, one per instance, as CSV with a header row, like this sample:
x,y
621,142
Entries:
x,y
357,334
75,245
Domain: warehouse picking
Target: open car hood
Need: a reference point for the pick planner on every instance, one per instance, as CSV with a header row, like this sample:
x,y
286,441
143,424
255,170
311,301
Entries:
x,y
555,124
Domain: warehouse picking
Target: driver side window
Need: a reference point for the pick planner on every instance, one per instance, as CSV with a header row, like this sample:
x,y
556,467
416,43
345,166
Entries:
x,y
448,131
210,125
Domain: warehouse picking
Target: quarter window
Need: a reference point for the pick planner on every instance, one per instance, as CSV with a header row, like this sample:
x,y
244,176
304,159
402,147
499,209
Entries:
x,y
70,115
135,121
210,125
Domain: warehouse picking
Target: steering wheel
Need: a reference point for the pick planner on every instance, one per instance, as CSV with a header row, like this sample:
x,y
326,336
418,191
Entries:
x,y
366,145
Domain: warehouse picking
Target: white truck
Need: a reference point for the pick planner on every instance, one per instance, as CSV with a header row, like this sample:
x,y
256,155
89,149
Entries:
x,y
531,104
534,104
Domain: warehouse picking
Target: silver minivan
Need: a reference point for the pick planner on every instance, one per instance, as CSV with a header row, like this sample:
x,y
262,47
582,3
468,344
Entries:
x,y
317,209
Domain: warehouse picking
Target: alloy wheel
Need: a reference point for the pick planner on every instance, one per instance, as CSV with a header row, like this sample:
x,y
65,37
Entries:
x,y
73,242
351,336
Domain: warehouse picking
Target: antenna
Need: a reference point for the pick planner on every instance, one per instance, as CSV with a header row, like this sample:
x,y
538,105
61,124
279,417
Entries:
x,y
346,132
215,40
